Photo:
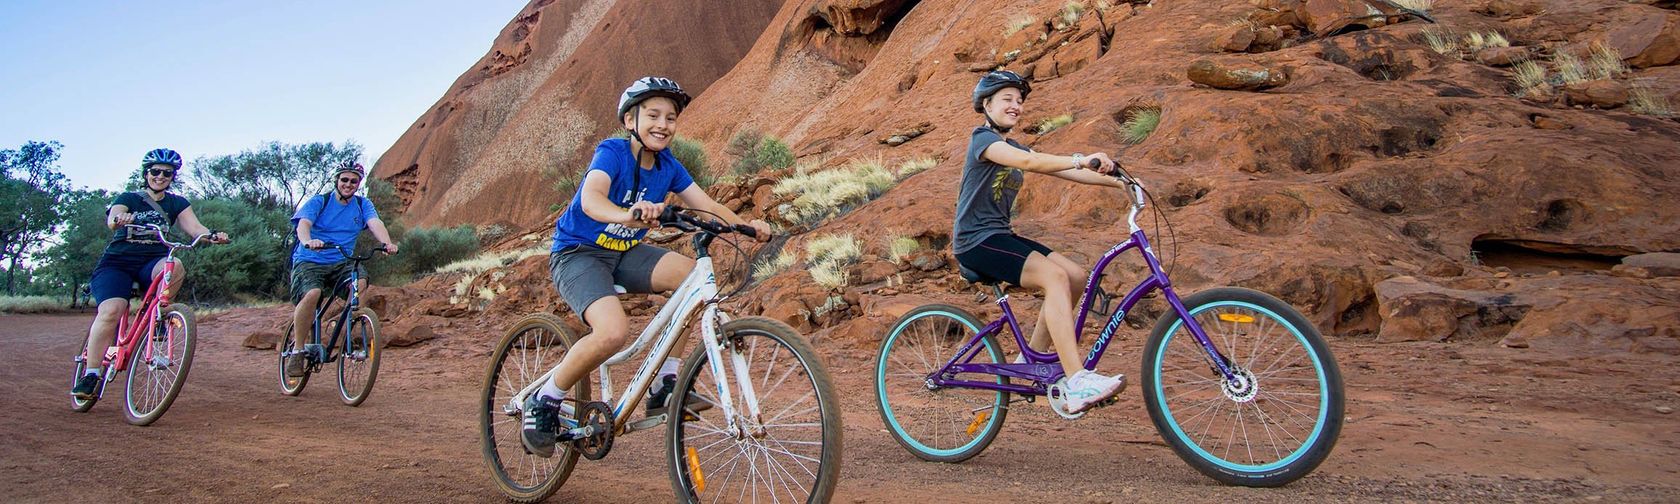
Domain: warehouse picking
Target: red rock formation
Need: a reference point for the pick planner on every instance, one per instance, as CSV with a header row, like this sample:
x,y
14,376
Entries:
x,y
1378,159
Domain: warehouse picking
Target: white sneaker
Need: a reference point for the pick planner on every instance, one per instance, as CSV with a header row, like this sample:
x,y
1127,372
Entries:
x,y
1086,388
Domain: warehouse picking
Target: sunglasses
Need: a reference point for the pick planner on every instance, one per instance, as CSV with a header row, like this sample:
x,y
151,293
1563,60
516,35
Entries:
x,y
161,173
348,180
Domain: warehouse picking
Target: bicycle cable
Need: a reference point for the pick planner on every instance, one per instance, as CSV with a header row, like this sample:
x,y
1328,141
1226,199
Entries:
x,y
746,264
1158,216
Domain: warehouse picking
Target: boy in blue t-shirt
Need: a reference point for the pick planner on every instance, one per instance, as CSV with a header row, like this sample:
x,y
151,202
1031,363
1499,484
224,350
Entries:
x,y
597,241
323,222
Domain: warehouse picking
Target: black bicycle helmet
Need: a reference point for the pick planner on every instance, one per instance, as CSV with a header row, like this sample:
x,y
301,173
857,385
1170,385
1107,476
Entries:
x,y
161,156
649,87
996,81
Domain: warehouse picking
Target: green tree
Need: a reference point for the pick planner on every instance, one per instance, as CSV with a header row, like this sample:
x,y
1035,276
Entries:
x,y
273,176
69,263
252,267
31,195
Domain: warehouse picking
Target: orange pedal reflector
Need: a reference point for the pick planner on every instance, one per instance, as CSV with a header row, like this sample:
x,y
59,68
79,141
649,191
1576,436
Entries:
x,y
1238,318
979,419
694,470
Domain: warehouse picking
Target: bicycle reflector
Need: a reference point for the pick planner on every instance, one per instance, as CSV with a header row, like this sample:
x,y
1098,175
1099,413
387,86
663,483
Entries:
x,y
694,470
1236,317
979,419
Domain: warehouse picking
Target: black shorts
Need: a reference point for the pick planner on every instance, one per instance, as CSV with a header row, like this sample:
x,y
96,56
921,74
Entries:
x,y
1002,256
116,275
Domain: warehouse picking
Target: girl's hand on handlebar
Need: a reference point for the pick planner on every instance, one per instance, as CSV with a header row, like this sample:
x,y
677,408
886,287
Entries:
x,y
762,230
1104,165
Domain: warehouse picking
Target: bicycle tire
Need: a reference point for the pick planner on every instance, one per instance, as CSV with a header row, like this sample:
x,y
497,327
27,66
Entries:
x,y
178,322
352,391
549,331
898,405
1228,316
769,438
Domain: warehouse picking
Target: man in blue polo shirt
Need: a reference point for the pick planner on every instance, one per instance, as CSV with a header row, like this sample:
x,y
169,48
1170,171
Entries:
x,y
323,222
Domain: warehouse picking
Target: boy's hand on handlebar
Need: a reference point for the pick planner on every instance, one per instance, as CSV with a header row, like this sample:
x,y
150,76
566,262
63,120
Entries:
x,y
645,214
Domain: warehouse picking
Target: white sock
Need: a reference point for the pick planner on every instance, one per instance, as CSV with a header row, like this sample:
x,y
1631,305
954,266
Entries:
x,y
550,391
670,367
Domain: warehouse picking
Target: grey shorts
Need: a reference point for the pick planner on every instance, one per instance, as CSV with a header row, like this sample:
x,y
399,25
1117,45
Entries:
x,y
307,276
584,274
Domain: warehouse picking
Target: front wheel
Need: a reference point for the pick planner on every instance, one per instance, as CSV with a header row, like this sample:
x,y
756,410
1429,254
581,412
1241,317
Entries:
x,y
360,365
936,424
789,452
533,346
158,368
1279,415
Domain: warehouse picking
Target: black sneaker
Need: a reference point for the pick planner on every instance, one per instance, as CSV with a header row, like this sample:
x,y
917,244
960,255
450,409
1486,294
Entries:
x,y
667,384
297,365
86,387
544,417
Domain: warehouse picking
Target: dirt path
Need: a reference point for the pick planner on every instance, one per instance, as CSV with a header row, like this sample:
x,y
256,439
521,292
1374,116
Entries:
x,y
1463,421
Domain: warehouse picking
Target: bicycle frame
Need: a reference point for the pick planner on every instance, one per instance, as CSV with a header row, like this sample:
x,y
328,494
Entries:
x,y
698,292
1043,368
352,300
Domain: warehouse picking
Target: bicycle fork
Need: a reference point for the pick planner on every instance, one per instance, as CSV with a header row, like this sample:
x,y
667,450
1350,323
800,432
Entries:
x,y
742,376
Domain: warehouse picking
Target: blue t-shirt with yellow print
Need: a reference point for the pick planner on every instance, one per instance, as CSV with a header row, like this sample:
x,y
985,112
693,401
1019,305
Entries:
x,y
614,158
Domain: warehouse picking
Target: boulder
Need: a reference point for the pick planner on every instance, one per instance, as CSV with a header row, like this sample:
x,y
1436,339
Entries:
x,y
1235,39
262,340
1604,94
1236,76
410,332
1648,41
1330,17
1502,56
1661,264
1414,310
927,260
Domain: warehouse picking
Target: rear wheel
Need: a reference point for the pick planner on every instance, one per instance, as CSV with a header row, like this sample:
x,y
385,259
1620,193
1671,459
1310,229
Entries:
x,y
526,352
290,385
789,453
82,405
358,368
1271,424
937,424
158,369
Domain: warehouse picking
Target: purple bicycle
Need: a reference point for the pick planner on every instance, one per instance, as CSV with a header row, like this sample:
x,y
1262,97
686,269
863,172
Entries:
x,y
1238,382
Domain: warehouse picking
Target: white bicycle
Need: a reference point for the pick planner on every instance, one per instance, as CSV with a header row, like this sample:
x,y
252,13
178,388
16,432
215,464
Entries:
x,y
753,416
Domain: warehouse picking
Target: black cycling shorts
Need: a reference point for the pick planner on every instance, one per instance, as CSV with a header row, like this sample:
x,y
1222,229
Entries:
x,y
1001,256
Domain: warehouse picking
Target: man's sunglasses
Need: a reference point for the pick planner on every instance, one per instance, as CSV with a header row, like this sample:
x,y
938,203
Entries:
x,y
161,173
348,180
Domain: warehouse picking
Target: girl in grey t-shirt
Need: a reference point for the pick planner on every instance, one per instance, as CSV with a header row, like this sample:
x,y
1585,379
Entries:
x,y
984,243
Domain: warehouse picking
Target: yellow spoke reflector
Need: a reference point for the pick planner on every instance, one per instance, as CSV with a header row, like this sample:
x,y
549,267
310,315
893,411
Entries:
x,y
979,418
694,470
1236,317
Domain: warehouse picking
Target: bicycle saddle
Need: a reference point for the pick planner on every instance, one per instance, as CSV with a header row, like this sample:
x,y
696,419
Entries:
x,y
975,276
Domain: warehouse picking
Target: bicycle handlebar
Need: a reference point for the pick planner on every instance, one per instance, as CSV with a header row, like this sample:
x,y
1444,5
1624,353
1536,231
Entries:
x,y
673,216
163,238
349,254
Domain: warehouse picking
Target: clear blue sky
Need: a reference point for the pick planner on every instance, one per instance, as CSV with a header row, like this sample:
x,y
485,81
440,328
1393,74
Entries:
x,y
112,80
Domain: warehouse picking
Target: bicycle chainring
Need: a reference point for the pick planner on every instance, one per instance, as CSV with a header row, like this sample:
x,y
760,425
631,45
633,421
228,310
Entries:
x,y
597,418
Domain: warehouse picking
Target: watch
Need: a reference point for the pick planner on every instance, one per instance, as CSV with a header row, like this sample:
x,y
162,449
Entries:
x,y
1078,160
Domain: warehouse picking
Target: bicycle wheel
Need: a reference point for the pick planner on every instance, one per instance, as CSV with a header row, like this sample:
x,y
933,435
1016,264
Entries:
x,y
942,425
358,368
1273,424
790,453
289,385
79,405
158,368
533,346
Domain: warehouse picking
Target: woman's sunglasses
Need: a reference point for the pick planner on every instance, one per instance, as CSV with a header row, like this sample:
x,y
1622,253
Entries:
x,y
161,173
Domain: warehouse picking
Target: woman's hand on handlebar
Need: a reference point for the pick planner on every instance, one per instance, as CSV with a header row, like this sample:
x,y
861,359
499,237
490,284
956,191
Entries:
x,y
219,237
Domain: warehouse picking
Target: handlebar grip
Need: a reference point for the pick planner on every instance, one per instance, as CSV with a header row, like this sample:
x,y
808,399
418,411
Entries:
x,y
1093,163
746,230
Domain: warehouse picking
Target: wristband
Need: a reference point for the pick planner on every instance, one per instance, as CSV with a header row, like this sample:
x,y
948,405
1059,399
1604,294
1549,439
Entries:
x,y
1078,160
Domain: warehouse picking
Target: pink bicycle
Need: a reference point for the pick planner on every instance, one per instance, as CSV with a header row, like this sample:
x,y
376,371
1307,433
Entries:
x,y
155,347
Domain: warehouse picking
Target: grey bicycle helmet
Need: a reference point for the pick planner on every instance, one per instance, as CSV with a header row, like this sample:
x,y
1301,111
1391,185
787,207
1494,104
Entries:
x,y
996,81
649,87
